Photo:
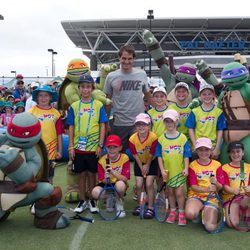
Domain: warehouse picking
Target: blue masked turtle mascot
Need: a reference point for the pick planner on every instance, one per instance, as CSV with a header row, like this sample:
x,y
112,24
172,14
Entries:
x,y
235,103
68,94
22,176
186,72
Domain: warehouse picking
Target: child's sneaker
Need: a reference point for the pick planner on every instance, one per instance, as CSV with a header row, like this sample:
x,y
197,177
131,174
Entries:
x,y
92,207
149,214
172,217
136,211
82,205
182,219
120,209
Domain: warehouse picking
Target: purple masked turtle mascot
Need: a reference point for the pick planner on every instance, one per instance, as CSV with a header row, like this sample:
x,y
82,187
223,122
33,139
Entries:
x,y
235,103
186,72
22,176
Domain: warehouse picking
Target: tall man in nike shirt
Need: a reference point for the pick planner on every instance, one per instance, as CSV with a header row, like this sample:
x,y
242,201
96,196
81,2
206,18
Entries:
x,y
126,87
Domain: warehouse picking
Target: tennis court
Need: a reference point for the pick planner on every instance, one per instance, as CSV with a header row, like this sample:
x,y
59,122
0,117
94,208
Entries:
x,y
130,232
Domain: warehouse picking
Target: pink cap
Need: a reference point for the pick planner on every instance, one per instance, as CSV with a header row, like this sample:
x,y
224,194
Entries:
x,y
142,117
171,114
203,142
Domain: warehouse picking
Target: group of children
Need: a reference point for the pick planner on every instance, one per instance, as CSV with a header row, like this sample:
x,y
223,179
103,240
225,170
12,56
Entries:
x,y
165,141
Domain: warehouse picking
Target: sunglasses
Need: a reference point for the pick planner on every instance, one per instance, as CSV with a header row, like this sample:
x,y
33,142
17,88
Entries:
x,y
19,83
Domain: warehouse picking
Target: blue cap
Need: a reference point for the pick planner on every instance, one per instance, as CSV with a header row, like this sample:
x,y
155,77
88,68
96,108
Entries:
x,y
45,88
86,78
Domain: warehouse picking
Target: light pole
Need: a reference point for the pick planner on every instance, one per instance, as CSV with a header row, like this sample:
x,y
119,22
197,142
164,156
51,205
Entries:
x,y
150,17
13,72
52,63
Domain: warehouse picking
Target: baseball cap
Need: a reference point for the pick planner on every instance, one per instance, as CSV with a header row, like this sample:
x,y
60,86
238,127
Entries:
x,y
206,86
142,117
182,85
160,89
113,140
86,78
34,84
203,142
171,114
235,145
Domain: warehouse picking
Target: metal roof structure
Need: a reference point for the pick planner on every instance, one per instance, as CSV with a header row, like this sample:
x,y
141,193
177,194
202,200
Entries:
x,y
177,36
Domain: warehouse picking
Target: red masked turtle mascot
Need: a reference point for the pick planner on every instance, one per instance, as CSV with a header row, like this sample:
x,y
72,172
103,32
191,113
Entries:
x,y
235,102
22,178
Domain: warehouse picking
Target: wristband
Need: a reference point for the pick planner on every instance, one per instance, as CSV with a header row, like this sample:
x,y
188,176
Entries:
x,y
70,148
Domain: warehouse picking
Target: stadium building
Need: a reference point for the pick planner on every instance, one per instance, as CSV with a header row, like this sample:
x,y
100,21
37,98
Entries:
x,y
215,40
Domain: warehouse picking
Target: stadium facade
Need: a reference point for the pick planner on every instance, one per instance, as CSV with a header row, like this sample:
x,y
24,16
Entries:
x,y
215,40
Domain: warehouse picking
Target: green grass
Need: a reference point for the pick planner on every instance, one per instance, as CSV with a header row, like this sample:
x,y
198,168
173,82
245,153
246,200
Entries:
x,y
18,232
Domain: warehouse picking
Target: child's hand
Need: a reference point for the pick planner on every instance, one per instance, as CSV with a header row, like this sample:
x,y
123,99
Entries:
x,y
58,155
72,154
145,169
164,175
247,189
98,152
236,191
185,172
212,188
215,154
213,180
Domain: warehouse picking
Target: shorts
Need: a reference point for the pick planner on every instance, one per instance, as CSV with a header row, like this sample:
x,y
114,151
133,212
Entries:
x,y
102,184
124,132
212,202
85,162
152,169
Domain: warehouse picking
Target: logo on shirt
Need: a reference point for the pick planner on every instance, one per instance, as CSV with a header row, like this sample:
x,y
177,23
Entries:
x,y
173,149
144,150
205,173
90,111
130,85
46,117
183,115
158,118
210,119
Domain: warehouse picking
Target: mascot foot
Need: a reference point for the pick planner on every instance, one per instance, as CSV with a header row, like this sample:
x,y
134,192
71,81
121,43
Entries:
x,y
4,215
52,220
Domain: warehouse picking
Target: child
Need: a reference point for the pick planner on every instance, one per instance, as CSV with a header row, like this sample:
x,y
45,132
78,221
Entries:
x,y
86,120
207,120
160,101
19,107
181,106
119,171
142,145
6,117
173,152
232,180
201,183
51,124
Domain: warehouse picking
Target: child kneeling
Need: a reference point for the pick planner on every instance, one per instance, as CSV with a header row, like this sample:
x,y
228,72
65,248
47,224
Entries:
x,y
119,171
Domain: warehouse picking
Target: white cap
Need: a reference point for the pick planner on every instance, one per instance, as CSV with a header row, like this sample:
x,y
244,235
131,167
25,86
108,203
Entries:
x,y
206,86
182,85
34,84
160,89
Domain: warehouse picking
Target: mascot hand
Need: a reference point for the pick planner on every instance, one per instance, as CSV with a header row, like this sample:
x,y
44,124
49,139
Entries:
x,y
195,103
7,156
100,96
201,65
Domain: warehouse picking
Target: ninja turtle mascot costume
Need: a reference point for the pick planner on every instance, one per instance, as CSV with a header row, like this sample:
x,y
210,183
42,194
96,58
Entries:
x,y
68,94
22,179
235,103
186,72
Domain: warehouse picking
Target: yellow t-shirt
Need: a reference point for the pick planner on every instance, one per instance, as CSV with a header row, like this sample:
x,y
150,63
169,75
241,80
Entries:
x,y
232,178
48,119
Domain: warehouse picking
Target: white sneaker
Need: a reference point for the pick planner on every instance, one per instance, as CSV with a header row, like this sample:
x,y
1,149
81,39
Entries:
x,y
120,209
82,205
92,207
